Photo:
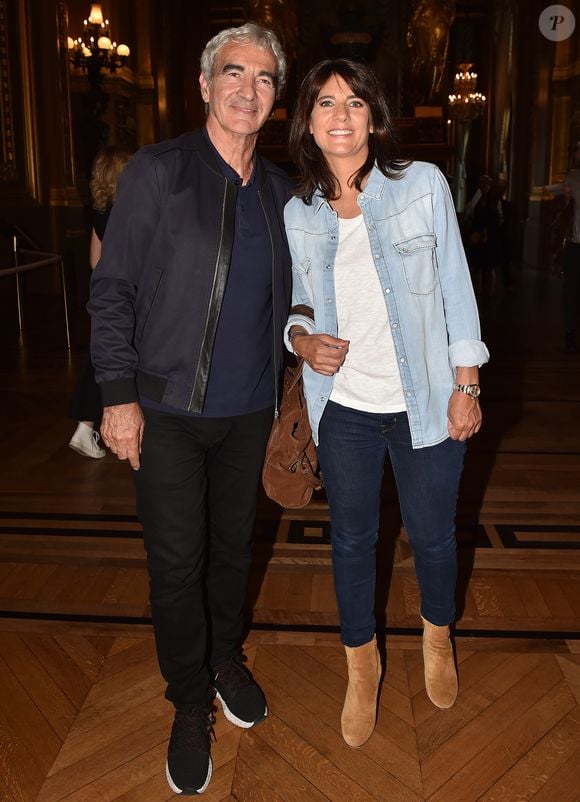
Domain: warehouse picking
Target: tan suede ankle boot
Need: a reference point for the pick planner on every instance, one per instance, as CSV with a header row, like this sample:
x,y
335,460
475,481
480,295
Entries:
x,y
359,713
440,674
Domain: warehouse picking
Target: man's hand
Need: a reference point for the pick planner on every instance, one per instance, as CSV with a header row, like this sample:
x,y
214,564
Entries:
x,y
122,431
464,416
324,354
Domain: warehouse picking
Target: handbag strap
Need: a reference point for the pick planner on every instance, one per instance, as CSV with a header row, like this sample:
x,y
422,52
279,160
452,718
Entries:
x,y
297,374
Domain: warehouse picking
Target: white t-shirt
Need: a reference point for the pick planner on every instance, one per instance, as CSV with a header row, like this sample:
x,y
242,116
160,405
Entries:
x,y
369,380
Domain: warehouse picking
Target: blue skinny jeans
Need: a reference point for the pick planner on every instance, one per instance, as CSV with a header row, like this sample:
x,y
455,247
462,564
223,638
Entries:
x,y
352,451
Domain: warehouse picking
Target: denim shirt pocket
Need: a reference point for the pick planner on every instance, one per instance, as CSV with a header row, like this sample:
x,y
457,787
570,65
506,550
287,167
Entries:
x,y
419,262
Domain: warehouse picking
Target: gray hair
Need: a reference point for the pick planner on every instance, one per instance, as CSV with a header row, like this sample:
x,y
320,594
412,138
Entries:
x,y
248,34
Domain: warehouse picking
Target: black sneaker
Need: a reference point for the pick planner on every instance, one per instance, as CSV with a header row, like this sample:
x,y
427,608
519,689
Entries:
x,y
189,766
240,696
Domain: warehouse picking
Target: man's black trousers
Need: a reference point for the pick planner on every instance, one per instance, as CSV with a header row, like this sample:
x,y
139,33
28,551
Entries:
x,y
196,500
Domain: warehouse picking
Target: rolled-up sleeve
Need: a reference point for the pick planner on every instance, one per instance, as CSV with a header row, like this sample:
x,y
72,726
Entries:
x,y
467,353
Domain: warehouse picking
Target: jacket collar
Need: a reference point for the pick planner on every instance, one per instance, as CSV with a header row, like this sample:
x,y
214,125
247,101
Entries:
x,y
318,201
210,155
375,185
374,188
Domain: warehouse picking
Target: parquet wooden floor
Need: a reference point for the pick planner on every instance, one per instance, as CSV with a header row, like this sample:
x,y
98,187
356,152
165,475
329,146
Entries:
x,y
82,713
84,718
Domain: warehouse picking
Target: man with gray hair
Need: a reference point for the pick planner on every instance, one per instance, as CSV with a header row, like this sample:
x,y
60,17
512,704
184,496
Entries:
x,y
188,306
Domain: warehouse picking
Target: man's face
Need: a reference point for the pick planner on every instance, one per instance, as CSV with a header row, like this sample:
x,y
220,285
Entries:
x,y
242,90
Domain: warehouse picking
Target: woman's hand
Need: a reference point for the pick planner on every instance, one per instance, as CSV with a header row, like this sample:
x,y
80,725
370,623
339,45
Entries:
x,y
463,416
323,353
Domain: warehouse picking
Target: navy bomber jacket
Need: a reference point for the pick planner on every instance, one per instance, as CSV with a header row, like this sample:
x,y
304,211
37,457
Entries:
x,y
157,290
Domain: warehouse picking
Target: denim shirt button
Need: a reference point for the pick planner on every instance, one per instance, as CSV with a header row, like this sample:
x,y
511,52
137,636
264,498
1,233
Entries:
x,y
402,359
328,267
388,290
329,300
395,325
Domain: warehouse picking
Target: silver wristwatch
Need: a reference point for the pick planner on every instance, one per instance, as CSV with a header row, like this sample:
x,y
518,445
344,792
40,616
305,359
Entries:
x,y
469,389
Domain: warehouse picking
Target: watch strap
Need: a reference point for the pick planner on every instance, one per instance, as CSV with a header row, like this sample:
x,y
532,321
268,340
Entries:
x,y
472,390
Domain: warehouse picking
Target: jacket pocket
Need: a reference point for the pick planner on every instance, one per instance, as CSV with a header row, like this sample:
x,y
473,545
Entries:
x,y
419,262
147,303
303,268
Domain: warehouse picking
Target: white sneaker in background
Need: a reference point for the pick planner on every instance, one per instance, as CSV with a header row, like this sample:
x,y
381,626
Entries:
x,y
86,441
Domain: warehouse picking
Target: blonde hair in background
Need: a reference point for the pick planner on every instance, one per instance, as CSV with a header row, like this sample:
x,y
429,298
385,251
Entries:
x,y
107,168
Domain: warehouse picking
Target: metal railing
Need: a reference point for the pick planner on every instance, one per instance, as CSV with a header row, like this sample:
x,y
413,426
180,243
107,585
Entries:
x,y
40,260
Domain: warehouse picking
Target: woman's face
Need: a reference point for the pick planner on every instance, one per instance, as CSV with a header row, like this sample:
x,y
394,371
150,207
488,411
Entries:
x,y
340,121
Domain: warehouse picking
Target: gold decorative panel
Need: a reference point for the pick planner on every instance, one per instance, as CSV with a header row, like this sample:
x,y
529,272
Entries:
x,y
7,165
19,180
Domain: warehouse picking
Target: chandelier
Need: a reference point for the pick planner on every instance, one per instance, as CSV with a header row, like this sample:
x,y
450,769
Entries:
x,y
95,51
465,104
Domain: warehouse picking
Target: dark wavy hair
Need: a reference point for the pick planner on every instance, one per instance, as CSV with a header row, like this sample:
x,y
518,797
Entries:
x,y
313,169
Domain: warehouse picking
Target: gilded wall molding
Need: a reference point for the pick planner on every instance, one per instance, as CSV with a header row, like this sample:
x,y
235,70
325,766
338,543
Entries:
x,y
7,163
566,72
64,91
19,161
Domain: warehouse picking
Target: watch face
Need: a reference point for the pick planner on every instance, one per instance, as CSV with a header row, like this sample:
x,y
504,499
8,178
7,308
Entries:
x,y
474,390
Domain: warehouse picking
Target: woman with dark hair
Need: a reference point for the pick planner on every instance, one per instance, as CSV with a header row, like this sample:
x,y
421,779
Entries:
x,y
385,319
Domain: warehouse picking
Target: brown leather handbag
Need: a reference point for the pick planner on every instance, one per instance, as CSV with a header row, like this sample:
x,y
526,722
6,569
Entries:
x,y
290,472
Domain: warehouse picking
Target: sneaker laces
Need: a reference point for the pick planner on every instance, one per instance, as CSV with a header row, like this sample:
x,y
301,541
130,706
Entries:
x,y
192,730
96,437
233,674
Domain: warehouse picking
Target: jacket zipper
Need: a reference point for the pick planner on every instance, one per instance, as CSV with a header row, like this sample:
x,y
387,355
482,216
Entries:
x,y
274,333
209,306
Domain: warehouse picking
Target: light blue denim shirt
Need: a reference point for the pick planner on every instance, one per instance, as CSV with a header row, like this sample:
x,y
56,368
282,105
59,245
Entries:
x,y
418,254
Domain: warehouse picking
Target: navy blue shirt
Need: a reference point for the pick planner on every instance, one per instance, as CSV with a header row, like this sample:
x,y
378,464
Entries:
x,y
241,378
